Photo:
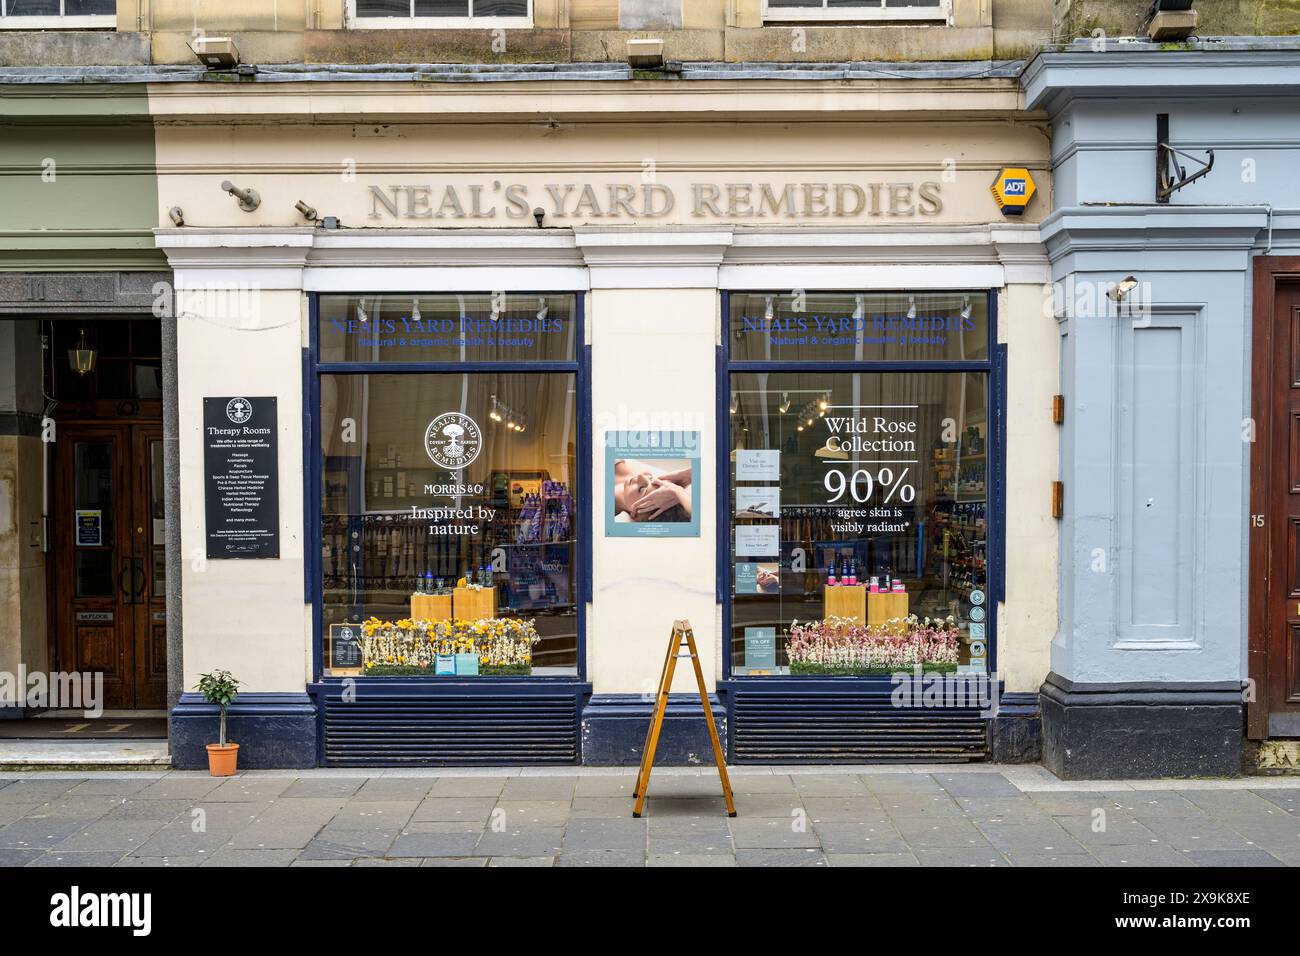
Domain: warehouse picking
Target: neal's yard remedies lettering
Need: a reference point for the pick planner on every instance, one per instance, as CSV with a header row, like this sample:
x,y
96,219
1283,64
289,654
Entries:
x,y
628,201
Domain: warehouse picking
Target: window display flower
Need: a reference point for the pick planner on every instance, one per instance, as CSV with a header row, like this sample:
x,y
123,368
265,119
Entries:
x,y
842,646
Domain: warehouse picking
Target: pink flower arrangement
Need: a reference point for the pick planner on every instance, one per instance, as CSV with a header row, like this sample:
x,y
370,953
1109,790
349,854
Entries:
x,y
839,645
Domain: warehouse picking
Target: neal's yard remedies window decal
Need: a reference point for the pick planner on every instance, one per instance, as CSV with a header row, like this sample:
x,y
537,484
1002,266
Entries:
x,y
859,483
449,492
652,484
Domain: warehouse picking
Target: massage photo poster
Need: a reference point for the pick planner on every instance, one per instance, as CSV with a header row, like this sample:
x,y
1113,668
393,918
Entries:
x,y
652,484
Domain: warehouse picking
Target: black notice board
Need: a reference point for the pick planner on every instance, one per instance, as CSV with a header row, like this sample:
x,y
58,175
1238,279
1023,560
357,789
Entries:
x,y
241,477
345,646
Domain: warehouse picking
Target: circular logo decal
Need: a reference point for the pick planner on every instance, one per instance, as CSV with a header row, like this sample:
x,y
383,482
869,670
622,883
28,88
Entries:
x,y
453,440
977,613
239,410
977,597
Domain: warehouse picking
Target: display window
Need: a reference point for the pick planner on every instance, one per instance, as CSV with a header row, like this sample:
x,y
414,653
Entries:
x,y
861,457
449,485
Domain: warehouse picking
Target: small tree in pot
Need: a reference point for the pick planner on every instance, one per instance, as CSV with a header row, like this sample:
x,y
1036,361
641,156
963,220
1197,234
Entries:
x,y
220,688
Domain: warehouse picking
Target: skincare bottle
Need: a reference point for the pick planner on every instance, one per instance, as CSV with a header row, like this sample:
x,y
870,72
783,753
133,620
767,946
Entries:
x,y
875,585
853,572
830,575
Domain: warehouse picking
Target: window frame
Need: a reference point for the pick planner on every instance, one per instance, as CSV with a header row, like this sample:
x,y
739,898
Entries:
x,y
993,365
890,10
59,21
471,22
313,472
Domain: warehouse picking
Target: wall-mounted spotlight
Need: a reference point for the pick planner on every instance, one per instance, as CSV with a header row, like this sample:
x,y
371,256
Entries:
x,y
308,212
1121,289
539,216
176,215
249,199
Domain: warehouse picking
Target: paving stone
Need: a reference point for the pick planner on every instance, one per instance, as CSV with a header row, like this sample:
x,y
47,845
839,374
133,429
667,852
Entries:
x,y
1119,831
453,841
394,789
18,857
384,861
859,838
1247,857
764,834
775,857
1084,859
9,812
467,787
243,857
162,810
36,790
78,858
599,834
453,861
112,786
521,841
829,785
277,836
89,806
535,813
347,845
899,783
690,859
848,809
603,807
620,786
165,862
601,858
956,834
121,835
521,861
781,805
1155,803
175,787
472,810
872,859
250,789
323,787
1223,803
539,788
362,815
1288,800
920,805
38,832
302,862
976,785
953,856
1144,855
1194,834
1071,803
174,840
1041,837
235,815
774,783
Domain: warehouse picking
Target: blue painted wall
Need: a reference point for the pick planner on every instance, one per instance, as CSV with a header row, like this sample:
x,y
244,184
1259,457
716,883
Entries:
x,y
1155,449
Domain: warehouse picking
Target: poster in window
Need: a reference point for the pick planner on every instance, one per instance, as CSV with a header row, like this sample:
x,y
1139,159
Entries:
x,y
652,484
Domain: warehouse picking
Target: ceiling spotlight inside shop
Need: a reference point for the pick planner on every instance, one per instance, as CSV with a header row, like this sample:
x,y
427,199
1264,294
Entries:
x,y
824,403
1122,288
544,309
967,308
308,212
415,311
859,308
911,307
785,402
81,356
735,402
176,215
249,199
361,311
768,309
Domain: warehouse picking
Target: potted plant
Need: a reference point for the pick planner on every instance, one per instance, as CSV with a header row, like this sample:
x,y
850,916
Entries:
x,y
220,688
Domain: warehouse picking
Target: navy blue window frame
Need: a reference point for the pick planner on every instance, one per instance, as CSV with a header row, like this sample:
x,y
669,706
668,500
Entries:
x,y
994,366
313,369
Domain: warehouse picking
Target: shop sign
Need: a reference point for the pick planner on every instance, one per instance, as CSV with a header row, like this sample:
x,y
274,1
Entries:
x,y
652,484
241,473
345,646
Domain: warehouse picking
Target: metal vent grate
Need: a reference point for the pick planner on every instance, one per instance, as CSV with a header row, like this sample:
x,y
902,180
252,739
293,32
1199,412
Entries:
x,y
787,726
445,729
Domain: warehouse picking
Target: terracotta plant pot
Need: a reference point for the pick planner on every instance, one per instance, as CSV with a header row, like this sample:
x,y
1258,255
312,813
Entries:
x,y
222,759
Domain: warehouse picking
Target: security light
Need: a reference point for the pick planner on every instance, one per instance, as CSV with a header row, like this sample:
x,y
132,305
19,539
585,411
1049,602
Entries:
x,y
176,215
249,199
216,53
1121,289
308,212
539,215
645,54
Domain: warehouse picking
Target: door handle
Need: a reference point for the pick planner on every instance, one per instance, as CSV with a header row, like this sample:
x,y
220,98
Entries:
x,y
122,586
137,596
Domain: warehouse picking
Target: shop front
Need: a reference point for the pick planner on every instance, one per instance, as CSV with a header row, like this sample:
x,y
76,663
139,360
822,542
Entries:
x,y
524,406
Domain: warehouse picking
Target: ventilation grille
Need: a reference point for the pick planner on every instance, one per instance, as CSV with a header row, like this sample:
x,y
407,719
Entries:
x,y
380,730
854,727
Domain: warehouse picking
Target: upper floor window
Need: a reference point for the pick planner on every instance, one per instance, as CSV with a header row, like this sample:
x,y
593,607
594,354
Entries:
x,y
55,14
838,11
440,13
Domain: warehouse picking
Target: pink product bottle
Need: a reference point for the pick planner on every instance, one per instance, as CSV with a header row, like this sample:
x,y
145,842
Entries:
x,y
853,573
830,576
898,587
875,585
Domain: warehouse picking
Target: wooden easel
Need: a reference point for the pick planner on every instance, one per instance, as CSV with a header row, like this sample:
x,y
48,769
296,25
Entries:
x,y
681,637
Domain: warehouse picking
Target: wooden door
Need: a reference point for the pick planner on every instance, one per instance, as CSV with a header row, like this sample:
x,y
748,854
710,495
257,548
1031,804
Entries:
x,y
1275,511
108,589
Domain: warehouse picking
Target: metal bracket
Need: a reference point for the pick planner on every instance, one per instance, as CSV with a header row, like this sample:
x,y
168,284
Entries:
x,y
1170,176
